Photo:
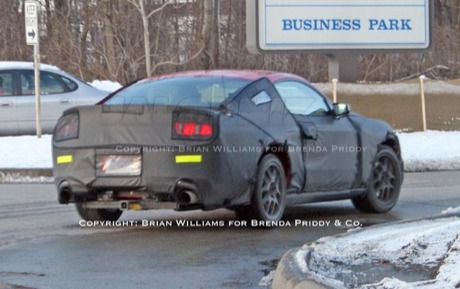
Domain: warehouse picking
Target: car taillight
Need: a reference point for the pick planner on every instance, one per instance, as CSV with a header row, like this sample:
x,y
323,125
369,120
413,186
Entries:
x,y
67,127
192,126
193,129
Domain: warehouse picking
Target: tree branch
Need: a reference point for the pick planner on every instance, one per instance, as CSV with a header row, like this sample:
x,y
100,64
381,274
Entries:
x,y
153,12
169,62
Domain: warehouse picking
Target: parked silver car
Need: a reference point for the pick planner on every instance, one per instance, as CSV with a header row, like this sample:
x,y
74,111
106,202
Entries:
x,y
59,92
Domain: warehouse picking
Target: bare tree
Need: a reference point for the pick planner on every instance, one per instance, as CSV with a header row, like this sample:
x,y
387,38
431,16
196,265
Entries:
x,y
127,39
140,6
210,34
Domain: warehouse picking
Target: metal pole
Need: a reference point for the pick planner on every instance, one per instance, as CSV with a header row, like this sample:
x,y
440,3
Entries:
x,y
37,90
334,89
422,96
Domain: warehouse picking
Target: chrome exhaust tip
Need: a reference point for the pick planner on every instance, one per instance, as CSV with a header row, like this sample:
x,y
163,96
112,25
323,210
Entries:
x,y
187,198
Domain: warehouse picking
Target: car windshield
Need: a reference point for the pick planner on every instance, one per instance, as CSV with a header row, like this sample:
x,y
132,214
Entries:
x,y
183,91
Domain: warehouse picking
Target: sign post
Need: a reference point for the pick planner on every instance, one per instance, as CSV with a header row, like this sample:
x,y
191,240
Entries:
x,y
31,9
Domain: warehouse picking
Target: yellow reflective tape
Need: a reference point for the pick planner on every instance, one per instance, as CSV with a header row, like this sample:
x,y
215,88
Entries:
x,y
64,159
189,159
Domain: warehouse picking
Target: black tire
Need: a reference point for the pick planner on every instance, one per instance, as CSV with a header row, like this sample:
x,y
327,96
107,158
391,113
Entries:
x,y
384,183
269,196
97,214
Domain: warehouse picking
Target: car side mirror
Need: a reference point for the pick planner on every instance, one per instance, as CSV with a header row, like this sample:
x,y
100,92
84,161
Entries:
x,y
341,109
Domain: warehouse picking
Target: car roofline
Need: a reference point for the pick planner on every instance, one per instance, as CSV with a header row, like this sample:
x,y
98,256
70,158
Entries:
x,y
228,73
27,65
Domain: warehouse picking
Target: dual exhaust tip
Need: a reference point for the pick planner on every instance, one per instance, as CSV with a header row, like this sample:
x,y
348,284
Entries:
x,y
184,197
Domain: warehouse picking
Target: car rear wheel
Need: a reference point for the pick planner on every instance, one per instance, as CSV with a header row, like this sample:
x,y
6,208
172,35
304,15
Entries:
x,y
384,183
97,214
269,197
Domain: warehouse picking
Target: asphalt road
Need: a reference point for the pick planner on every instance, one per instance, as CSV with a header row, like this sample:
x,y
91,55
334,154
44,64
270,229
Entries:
x,y
44,245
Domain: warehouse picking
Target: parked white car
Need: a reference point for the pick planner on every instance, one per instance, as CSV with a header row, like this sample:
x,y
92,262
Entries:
x,y
59,92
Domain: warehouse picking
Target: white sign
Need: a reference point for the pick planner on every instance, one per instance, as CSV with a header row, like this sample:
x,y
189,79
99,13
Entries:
x,y
31,21
343,24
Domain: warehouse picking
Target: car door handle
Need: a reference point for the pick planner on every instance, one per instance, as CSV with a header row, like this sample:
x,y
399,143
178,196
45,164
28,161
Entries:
x,y
65,101
7,104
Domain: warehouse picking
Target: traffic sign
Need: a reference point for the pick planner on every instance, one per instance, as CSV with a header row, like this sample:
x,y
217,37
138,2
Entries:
x,y
31,21
327,26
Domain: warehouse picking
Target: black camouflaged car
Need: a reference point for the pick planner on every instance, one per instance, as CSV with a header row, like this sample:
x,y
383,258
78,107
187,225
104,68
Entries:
x,y
250,141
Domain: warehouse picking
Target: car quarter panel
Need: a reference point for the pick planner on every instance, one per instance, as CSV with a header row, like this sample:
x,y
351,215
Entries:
x,y
260,105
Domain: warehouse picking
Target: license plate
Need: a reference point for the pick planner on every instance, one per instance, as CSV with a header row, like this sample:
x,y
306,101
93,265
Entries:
x,y
119,165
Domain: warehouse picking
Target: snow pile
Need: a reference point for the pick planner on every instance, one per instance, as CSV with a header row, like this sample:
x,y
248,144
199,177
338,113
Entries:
x,y
418,254
106,85
430,151
450,211
25,152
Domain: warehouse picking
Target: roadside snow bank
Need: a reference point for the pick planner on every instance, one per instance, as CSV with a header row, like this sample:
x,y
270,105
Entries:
x,y
430,151
417,254
106,85
25,152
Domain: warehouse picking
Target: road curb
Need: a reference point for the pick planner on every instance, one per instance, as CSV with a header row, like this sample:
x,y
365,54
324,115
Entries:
x,y
289,276
8,286
31,172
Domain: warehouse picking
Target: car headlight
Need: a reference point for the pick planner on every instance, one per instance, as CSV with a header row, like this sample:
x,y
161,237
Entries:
x,y
67,127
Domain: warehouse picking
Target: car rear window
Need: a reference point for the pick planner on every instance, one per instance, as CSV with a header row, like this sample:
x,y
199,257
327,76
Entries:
x,y
184,91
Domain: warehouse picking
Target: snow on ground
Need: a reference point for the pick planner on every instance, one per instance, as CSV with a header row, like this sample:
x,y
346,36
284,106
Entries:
x,y
430,151
417,254
451,210
422,151
25,152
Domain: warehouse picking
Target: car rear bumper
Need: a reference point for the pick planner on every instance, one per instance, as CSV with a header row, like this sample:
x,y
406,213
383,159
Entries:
x,y
165,174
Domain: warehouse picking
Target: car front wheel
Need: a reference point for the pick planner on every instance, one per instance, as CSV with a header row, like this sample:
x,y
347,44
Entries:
x,y
97,214
384,183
